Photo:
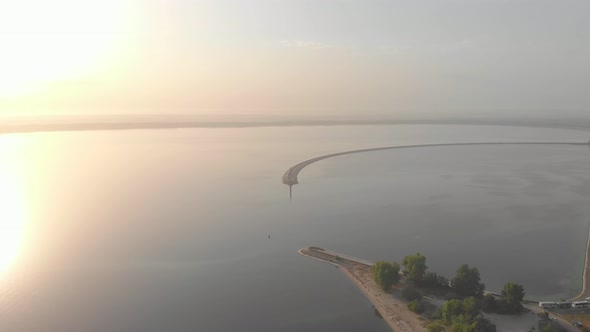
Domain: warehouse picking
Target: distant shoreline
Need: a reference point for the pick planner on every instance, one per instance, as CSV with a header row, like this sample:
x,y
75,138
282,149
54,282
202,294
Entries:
x,y
21,128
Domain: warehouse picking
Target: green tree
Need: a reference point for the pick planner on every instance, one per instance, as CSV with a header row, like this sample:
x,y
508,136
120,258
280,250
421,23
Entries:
x,y
513,294
433,280
470,306
466,282
463,316
416,306
450,310
436,326
386,274
462,323
415,267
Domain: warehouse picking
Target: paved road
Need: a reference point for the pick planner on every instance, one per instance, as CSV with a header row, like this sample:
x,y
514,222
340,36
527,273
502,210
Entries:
x,y
565,324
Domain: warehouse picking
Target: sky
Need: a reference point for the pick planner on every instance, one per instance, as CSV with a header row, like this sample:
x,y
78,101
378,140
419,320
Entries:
x,y
295,58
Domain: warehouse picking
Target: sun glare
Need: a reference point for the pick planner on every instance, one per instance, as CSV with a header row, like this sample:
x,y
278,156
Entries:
x,y
12,207
43,41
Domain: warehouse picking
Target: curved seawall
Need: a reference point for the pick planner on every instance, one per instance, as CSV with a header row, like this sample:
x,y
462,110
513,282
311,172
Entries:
x,y
290,177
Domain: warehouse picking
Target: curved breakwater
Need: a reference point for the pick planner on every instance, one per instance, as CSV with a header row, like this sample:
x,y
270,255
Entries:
x,y
291,176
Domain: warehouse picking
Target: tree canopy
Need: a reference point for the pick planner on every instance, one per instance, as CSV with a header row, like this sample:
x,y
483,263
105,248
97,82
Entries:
x,y
434,280
461,316
450,310
466,282
470,306
512,296
416,306
386,274
415,267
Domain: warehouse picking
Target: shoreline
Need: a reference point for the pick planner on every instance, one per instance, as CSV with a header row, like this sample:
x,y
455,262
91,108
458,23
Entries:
x,y
585,292
393,310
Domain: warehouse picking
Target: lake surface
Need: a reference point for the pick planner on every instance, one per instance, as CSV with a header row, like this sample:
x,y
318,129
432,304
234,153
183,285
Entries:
x,y
167,230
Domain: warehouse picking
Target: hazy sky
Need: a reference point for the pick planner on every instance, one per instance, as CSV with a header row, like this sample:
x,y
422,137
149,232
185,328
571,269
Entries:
x,y
295,58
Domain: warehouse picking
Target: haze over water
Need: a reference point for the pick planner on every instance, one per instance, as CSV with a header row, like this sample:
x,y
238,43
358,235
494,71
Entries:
x,y
167,230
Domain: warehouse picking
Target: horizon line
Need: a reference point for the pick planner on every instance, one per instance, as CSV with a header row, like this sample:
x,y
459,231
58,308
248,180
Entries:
x,y
20,128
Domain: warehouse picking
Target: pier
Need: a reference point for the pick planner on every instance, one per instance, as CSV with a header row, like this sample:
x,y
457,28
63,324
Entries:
x,y
290,177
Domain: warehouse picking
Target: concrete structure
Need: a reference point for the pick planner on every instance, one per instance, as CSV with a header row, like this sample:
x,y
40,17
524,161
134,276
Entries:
x,y
290,177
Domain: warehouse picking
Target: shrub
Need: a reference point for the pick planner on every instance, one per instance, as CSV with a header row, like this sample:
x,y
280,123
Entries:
x,y
436,326
411,294
416,306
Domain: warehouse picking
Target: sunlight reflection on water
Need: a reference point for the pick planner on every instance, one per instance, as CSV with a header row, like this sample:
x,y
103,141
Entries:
x,y
12,203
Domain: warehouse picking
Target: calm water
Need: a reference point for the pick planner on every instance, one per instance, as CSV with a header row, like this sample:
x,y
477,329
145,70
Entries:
x,y
168,230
